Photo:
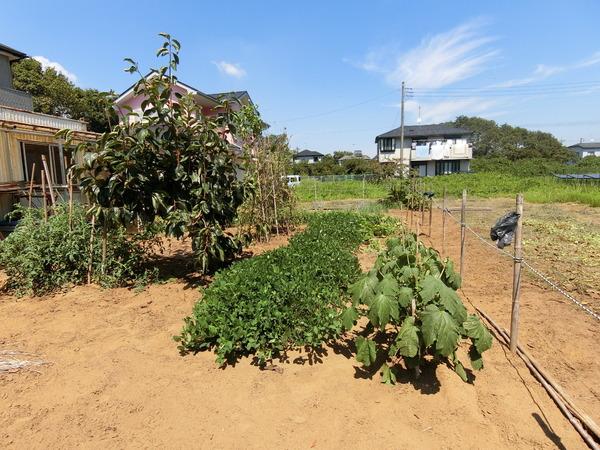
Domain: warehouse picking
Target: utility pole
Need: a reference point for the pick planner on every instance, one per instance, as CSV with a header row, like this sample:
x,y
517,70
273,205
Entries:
x,y
402,126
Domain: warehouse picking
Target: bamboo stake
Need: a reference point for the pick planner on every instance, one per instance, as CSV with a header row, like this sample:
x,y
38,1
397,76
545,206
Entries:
x,y
430,215
444,222
44,200
463,232
274,198
31,174
48,177
516,292
70,202
104,242
91,260
70,190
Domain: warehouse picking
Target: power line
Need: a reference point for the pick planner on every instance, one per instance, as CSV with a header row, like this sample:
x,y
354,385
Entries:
x,y
343,108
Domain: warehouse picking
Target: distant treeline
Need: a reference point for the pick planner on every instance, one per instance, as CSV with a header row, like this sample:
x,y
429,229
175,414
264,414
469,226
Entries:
x,y
496,148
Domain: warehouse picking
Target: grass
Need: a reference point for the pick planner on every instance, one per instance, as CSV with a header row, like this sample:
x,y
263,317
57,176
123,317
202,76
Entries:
x,y
537,189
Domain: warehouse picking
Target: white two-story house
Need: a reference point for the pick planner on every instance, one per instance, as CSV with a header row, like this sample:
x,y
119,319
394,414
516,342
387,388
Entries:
x,y
429,149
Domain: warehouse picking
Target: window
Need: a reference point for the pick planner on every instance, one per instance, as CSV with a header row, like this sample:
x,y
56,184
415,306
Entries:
x,y
32,153
387,144
446,167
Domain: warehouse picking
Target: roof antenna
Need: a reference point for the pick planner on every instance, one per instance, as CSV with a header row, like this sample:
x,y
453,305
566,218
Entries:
x,y
419,118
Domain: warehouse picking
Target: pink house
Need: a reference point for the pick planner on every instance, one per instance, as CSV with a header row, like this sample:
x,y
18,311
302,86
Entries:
x,y
211,104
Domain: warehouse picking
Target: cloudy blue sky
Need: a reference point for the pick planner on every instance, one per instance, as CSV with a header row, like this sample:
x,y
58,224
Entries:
x,y
329,72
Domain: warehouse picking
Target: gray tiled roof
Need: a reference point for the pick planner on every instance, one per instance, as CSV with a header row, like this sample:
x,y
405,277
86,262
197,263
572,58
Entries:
x,y
586,145
308,153
423,131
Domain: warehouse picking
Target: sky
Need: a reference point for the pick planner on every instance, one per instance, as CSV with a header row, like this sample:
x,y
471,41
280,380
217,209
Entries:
x,y
329,72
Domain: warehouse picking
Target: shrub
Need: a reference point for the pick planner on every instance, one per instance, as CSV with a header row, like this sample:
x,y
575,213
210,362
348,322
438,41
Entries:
x,y
40,257
286,298
170,161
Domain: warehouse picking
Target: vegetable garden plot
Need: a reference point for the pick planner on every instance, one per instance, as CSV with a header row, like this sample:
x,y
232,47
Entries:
x,y
287,298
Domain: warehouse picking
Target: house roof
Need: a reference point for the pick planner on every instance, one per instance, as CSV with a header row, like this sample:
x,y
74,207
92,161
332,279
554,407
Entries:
x,y
416,131
308,153
11,52
586,145
351,157
236,95
213,98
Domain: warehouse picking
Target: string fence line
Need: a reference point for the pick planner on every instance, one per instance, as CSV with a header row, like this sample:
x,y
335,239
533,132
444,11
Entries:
x,y
532,269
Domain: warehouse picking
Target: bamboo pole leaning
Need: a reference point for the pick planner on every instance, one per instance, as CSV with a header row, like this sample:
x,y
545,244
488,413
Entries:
x,y
49,179
565,403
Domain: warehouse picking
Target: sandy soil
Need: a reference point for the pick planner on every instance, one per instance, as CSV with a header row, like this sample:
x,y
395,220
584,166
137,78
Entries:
x,y
561,336
115,379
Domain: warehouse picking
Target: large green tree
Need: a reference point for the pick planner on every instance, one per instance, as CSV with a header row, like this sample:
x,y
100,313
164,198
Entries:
x,y
173,165
513,143
55,94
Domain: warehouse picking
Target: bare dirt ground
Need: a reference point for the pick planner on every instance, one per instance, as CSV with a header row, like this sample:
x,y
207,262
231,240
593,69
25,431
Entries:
x,y
115,379
557,333
562,240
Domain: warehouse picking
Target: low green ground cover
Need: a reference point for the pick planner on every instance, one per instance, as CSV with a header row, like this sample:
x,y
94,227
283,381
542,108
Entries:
x,y
537,189
286,298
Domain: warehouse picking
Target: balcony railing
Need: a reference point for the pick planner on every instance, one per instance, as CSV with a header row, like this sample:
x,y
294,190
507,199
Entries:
x,y
431,152
40,120
15,99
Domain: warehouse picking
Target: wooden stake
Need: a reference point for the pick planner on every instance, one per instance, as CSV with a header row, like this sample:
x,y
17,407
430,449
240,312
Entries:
x,y
70,191
516,292
70,202
430,215
91,260
104,243
444,222
463,232
44,200
49,179
31,183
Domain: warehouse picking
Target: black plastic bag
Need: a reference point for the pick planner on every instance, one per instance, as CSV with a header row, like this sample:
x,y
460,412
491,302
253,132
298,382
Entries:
x,y
504,229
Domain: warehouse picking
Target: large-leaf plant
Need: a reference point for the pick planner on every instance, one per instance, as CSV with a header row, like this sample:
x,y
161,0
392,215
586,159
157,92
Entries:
x,y
413,311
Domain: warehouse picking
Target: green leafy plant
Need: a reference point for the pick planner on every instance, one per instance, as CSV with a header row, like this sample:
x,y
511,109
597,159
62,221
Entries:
x,y
170,162
43,256
413,311
287,298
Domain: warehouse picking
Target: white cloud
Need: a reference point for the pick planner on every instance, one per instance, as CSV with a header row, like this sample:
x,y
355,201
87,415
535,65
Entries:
x,y
542,71
434,112
45,62
233,70
439,60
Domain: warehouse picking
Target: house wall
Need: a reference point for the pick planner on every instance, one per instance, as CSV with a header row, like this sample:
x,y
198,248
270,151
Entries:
x,y
11,165
5,73
427,150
